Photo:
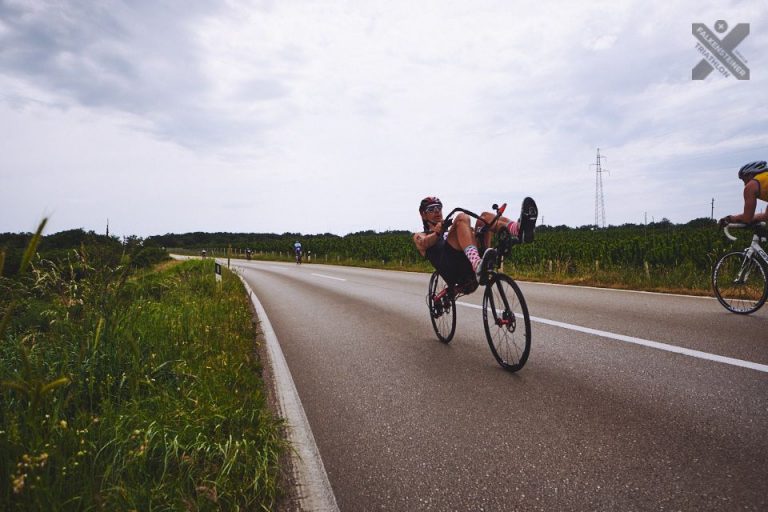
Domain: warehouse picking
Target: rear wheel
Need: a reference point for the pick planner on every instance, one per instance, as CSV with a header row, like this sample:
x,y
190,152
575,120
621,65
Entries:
x,y
507,323
442,308
740,283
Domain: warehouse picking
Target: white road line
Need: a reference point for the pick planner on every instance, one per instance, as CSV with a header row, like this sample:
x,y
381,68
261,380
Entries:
x,y
328,277
315,488
646,343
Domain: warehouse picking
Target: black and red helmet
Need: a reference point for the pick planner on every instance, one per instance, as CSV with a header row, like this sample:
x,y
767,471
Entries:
x,y
429,201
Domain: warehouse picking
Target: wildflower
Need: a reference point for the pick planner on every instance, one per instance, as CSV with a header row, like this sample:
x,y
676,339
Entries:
x,y
18,483
63,424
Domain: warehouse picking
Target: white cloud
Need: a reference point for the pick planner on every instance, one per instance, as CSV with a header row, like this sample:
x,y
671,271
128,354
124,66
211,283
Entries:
x,y
338,116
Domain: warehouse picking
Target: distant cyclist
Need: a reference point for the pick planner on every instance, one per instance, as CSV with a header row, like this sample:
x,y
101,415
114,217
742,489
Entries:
x,y
455,255
297,251
755,178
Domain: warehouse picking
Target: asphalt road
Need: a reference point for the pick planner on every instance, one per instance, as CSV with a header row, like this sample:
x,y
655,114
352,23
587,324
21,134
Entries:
x,y
595,421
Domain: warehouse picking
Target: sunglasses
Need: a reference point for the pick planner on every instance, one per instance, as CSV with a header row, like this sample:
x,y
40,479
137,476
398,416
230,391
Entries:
x,y
433,208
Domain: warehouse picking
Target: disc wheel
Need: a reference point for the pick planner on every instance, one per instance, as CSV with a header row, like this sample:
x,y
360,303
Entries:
x,y
442,311
740,283
507,323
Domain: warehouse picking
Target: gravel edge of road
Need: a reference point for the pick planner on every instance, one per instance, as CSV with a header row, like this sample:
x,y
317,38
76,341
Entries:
x,y
314,488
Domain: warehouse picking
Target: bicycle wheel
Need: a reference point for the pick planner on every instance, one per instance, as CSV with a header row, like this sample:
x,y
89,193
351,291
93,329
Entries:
x,y
740,283
442,310
507,323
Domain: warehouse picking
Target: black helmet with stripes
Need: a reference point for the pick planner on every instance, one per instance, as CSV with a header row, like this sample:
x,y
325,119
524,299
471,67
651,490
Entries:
x,y
752,169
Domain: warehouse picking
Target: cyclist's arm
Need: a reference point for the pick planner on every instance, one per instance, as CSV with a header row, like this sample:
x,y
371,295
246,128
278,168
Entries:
x,y
424,241
751,190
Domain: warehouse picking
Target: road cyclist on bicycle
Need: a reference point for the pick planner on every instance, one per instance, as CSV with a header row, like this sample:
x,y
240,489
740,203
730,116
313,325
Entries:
x,y
297,251
740,278
454,254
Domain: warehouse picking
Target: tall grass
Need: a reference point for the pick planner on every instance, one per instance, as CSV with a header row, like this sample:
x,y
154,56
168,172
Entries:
x,y
125,391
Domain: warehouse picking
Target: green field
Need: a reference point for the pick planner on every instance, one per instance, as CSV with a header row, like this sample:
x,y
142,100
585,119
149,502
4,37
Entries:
x,y
128,388
660,256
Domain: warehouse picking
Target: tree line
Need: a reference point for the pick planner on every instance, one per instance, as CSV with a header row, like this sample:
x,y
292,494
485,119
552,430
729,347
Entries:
x,y
659,244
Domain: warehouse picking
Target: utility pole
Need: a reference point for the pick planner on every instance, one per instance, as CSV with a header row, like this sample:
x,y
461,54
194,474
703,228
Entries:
x,y
645,225
599,196
712,213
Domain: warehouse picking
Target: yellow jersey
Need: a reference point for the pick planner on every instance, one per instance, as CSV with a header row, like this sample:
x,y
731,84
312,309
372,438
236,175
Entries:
x,y
762,180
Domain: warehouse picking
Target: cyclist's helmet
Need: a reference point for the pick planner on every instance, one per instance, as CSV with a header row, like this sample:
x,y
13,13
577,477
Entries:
x,y
427,202
752,169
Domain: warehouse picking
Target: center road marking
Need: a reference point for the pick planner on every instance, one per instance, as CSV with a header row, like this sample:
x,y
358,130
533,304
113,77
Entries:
x,y
647,343
328,277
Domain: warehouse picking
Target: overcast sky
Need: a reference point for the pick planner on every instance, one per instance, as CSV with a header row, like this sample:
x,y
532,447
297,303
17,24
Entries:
x,y
339,116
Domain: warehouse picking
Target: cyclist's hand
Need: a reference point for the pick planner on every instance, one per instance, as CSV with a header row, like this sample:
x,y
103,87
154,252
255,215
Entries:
x,y
724,221
437,228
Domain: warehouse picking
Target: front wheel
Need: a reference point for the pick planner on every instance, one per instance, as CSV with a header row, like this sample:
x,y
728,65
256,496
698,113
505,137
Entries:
x,y
442,308
740,283
507,323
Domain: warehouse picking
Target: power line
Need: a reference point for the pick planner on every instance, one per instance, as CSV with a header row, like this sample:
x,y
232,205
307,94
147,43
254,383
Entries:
x,y
599,195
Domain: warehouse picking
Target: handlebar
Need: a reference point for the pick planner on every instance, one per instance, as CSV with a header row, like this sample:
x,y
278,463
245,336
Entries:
x,y
739,225
449,218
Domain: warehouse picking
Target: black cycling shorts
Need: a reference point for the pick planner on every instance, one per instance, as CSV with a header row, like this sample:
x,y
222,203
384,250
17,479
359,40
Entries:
x,y
452,264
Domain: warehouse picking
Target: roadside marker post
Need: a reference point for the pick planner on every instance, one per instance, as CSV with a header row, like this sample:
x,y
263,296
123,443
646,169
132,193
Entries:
x,y
217,270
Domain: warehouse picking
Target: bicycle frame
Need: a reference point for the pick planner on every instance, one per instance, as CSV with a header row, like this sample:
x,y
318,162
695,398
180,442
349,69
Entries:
x,y
754,248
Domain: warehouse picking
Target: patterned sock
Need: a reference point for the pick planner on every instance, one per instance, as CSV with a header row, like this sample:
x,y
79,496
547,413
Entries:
x,y
513,228
473,256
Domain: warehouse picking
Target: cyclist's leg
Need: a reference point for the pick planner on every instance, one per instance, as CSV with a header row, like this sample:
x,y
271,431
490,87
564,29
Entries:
x,y
521,229
461,235
501,223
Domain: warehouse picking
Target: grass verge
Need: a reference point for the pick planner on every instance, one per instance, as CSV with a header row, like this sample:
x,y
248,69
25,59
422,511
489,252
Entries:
x,y
133,392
